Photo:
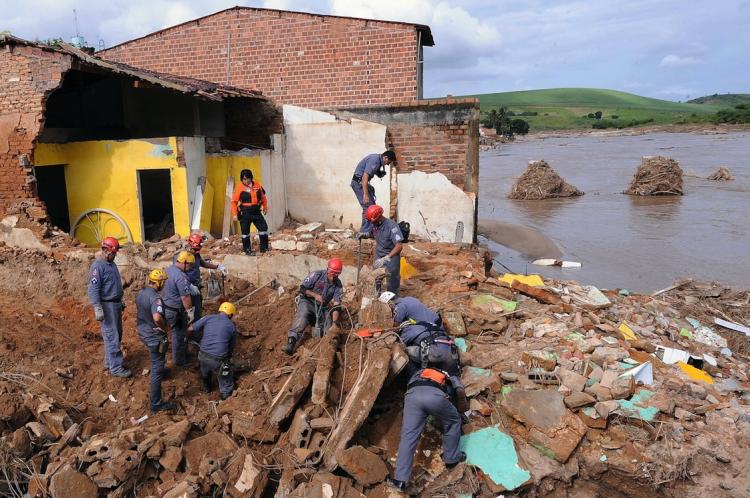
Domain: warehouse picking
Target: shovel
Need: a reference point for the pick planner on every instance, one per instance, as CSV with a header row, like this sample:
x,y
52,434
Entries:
x,y
271,284
359,261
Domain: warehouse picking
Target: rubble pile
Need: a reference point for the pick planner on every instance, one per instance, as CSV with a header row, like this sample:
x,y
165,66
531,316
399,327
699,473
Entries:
x,y
540,181
574,391
657,175
721,175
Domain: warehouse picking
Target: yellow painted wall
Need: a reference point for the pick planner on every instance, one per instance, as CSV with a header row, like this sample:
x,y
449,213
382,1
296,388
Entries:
x,y
218,168
103,174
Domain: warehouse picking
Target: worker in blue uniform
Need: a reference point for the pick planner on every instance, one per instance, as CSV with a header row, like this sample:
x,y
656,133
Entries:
x,y
371,165
218,339
178,302
105,295
151,326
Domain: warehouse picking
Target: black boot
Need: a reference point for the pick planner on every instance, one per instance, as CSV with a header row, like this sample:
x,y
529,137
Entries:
x,y
396,484
290,343
247,245
461,458
206,384
165,406
263,242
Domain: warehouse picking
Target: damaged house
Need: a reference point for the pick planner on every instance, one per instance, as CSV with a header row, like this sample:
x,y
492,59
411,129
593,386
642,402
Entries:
x,y
101,147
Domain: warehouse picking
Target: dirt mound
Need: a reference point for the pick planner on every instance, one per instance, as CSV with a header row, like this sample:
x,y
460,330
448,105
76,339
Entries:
x,y
721,175
540,181
657,175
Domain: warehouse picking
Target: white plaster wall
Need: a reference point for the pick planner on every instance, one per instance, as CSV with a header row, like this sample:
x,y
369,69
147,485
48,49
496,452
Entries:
x,y
319,160
273,181
434,206
194,150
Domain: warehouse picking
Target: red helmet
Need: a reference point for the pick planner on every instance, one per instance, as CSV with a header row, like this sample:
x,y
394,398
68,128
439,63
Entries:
x,y
373,213
195,241
110,245
335,266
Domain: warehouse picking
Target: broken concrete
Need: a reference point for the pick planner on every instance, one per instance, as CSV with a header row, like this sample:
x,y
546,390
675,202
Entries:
x,y
364,466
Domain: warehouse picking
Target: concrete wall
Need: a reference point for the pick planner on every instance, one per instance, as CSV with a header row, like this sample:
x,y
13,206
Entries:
x,y
432,136
103,174
434,207
193,152
319,157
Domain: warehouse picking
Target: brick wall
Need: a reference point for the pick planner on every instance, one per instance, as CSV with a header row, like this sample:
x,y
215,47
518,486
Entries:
x,y
29,74
431,136
295,58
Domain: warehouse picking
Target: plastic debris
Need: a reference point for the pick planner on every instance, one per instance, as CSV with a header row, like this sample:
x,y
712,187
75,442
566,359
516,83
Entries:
x,y
494,453
532,280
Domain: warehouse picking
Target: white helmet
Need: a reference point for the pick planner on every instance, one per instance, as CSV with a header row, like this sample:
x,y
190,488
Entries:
x,y
386,297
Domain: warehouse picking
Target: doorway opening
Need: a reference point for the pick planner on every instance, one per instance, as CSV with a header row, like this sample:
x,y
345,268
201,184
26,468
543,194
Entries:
x,y
51,189
157,216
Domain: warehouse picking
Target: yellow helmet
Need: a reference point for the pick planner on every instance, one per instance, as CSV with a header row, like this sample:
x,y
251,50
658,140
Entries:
x,y
186,257
228,308
157,276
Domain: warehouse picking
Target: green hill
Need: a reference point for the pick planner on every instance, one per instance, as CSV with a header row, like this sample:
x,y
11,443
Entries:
x,y
726,100
568,108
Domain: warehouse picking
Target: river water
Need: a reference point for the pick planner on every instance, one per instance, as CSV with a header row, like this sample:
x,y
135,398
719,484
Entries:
x,y
637,243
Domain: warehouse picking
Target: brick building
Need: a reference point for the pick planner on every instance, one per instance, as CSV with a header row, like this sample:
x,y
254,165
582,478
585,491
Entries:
x,y
308,60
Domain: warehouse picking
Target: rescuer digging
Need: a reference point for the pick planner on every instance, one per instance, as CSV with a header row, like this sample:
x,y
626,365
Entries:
x,y
319,297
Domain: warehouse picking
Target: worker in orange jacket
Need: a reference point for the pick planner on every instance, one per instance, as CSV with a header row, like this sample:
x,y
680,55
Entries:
x,y
249,204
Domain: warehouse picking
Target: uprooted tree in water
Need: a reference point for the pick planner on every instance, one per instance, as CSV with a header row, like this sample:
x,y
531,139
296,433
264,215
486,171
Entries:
x,y
657,175
540,181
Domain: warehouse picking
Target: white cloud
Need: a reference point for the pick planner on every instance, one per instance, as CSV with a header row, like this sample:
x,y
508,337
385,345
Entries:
x,y
672,60
277,4
460,37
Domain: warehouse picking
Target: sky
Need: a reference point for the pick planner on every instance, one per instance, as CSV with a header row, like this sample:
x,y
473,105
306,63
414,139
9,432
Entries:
x,y
669,49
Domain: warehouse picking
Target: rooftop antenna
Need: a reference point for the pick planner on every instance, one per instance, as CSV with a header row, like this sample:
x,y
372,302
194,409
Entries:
x,y
77,40
75,19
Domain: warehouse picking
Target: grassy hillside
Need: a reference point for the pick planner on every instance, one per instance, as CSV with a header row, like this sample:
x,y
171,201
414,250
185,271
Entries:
x,y
567,108
727,100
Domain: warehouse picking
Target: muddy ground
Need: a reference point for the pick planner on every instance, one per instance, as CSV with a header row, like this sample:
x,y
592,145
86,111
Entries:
x,y
51,363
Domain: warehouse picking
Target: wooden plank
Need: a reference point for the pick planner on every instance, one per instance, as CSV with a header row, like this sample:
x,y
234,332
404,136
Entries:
x,y
226,225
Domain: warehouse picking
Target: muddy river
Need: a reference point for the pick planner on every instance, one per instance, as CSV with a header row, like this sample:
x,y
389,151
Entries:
x,y
637,243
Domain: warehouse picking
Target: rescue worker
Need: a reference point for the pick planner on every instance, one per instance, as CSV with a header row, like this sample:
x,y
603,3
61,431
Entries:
x,y
388,246
105,295
249,204
319,296
178,304
152,328
371,165
433,381
217,342
194,244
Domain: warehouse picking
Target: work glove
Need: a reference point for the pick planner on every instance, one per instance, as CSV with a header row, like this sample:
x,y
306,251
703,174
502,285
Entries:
x,y
194,290
462,403
190,315
362,235
122,303
380,262
222,269
98,312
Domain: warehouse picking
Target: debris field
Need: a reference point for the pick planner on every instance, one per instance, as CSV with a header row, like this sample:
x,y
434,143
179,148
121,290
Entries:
x,y
574,391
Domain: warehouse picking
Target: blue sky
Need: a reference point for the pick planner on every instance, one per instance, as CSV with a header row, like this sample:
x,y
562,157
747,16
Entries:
x,y
668,49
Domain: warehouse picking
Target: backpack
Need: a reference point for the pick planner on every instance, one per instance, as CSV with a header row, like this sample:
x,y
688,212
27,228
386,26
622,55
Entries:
x,y
405,229
437,351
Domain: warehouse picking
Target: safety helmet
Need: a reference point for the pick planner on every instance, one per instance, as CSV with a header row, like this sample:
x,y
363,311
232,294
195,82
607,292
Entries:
x,y
334,266
373,213
110,245
228,308
186,257
386,297
246,173
157,276
195,241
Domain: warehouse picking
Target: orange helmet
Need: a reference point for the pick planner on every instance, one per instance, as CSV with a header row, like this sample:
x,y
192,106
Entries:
x,y
373,213
110,245
195,241
334,267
